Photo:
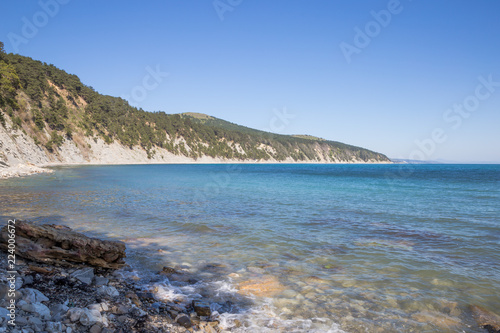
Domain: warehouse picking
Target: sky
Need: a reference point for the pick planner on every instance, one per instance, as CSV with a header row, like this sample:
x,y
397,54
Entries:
x,y
413,79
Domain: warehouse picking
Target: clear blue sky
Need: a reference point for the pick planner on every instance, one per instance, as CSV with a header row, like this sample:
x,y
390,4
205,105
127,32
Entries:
x,y
268,56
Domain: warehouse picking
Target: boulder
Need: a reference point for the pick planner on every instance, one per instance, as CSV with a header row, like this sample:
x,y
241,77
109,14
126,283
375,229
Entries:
x,y
55,244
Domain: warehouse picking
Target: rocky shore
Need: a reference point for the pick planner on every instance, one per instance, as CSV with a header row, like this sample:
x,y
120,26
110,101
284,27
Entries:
x,y
55,295
21,170
55,299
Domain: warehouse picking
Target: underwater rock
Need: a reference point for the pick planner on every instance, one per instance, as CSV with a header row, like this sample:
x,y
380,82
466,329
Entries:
x,y
265,286
486,319
437,318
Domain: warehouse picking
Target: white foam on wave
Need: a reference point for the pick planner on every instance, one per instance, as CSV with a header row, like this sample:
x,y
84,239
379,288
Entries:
x,y
260,317
222,287
266,319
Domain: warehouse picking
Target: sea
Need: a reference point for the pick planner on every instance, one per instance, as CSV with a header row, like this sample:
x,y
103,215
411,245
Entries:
x,y
293,247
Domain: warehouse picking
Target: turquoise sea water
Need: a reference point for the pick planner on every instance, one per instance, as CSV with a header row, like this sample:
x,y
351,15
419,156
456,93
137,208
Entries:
x,y
353,248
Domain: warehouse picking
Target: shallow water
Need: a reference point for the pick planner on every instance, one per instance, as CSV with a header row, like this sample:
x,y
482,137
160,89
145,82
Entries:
x,y
354,248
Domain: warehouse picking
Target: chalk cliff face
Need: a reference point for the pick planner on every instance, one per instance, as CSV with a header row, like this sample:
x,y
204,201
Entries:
x,y
18,148
48,117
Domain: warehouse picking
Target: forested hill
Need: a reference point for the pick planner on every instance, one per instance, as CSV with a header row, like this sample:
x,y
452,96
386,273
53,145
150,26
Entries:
x,y
54,109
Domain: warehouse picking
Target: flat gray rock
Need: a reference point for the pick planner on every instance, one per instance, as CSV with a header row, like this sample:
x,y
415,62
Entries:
x,y
85,275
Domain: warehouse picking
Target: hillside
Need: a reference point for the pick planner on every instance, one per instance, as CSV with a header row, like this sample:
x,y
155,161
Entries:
x,y
49,116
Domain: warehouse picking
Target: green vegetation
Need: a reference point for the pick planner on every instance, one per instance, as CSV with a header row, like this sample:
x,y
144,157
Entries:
x,y
309,137
43,99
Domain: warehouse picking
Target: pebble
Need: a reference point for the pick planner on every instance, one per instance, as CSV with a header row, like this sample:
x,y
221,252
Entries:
x,y
100,281
37,323
68,300
183,320
75,314
21,320
28,279
108,291
90,317
84,275
3,313
95,329
38,309
58,308
33,296
53,327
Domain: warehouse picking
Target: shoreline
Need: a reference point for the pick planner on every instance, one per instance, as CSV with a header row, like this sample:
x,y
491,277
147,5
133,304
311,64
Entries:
x,y
22,170
83,298
87,293
28,169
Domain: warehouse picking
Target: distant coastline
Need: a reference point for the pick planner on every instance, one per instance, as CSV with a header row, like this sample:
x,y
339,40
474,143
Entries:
x,y
23,170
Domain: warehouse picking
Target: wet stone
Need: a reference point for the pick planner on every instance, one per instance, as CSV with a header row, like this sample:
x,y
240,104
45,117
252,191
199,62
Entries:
x,y
183,320
138,313
486,319
146,296
202,308
256,270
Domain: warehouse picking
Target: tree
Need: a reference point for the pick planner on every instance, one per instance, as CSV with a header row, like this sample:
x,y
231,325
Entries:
x,y
9,83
